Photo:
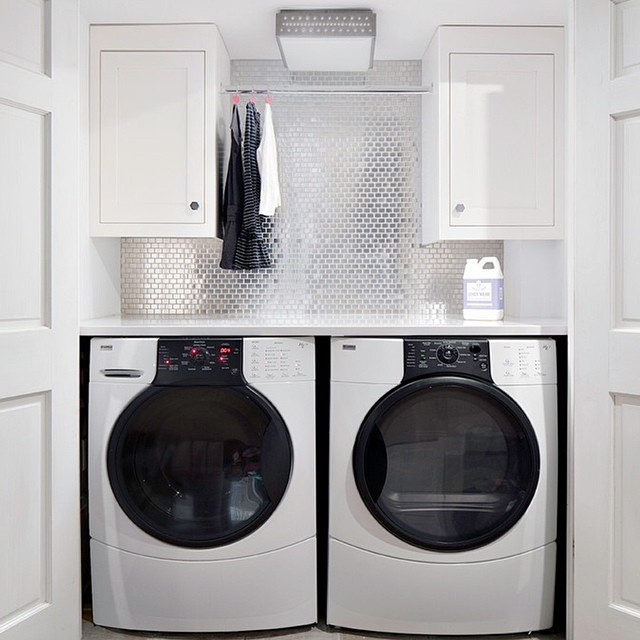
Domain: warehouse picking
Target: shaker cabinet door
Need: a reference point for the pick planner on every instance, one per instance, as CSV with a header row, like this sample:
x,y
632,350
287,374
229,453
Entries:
x,y
493,134
152,137
502,140
157,129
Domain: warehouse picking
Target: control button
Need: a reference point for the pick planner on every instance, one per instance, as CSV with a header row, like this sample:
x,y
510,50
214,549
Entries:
x,y
484,366
196,354
447,354
475,348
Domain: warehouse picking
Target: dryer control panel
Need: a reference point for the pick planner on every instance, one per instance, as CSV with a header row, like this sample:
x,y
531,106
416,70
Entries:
x,y
432,357
208,361
523,361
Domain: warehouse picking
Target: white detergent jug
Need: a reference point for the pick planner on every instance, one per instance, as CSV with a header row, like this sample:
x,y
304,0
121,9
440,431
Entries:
x,y
483,290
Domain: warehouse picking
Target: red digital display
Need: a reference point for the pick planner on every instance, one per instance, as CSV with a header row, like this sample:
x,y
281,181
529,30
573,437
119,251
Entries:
x,y
224,351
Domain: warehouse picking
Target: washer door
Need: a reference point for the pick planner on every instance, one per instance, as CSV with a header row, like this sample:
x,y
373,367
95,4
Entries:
x,y
447,463
199,466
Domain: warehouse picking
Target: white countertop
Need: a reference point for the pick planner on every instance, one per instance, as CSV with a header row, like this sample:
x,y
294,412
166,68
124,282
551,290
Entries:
x,y
318,326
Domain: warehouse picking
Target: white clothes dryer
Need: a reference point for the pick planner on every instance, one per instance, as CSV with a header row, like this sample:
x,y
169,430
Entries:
x,y
442,485
202,483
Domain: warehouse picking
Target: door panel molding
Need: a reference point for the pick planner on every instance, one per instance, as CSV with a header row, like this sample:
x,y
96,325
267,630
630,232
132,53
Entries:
x,y
626,515
625,43
28,46
25,455
25,199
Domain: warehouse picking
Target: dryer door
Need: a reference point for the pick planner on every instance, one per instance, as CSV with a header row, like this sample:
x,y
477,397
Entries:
x,y
446,463
199,466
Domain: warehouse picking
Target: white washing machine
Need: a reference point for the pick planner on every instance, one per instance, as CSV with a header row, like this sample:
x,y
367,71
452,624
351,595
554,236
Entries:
x,y
442,485
202,483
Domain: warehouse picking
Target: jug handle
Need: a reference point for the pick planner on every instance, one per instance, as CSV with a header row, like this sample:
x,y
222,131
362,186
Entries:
x,y
491,260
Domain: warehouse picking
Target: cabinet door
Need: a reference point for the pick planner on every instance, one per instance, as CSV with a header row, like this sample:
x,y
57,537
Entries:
x,y
502,140
152,137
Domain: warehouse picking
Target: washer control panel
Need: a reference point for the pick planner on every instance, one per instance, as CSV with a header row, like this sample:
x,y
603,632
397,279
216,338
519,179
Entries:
x,y
279,359
211,361
431,357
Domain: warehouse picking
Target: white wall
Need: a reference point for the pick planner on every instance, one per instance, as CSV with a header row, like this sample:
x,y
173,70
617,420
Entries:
x,y
535,279
99,284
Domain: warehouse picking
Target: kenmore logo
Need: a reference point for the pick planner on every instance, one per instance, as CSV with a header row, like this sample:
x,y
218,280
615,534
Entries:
x,y
348,347
106,347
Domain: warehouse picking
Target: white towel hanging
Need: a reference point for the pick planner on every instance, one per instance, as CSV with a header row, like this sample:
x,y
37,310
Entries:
x,y
267,156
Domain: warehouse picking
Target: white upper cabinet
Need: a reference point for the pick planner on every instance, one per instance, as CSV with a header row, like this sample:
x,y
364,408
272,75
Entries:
x,y
493,151
155,134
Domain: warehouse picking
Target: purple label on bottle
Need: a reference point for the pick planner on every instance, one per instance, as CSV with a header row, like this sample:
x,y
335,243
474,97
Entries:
x,y
484,294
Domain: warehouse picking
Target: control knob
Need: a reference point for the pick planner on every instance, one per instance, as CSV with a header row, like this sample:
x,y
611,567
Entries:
x,y
447,354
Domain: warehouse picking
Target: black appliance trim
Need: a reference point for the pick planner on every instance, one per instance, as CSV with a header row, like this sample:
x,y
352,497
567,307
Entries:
x,y
115,456
370,487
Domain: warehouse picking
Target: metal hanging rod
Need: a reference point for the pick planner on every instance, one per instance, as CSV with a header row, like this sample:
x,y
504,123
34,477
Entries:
x,y
335,90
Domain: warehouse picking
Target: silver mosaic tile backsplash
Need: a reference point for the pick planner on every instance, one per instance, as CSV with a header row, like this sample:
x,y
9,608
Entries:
x,y
344,241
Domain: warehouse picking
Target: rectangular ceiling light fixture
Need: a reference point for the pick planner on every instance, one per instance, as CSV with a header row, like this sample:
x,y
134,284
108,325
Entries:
x,y
326,39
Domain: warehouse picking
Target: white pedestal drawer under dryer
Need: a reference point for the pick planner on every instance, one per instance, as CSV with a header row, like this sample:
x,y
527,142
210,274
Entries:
x,y
202,483
442,485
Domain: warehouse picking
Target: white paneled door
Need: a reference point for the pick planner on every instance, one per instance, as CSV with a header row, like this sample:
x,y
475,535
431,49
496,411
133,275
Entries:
x,y
607,321
39,468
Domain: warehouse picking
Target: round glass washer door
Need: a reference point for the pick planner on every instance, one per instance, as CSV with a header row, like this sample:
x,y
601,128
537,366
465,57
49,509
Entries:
x,y
199,466
447,463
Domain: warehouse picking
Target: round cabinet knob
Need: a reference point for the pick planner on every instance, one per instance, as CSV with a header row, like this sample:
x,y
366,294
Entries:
x,y
459,208
194,206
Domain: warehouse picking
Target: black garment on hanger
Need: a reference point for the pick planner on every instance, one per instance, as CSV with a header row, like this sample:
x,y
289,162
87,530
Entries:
x,y
251,251
233,200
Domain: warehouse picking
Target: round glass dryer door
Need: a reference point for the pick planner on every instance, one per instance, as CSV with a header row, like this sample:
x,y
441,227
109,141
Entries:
x,y
447,463
199,466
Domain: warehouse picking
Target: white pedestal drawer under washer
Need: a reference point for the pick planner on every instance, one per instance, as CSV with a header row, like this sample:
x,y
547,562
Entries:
x,y
442,485
202,483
